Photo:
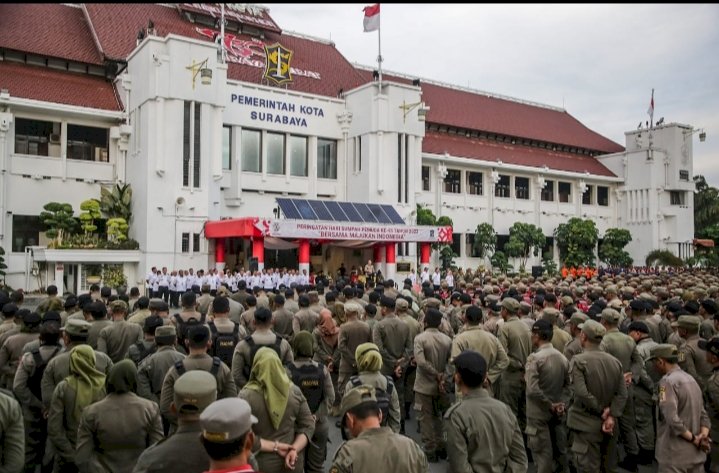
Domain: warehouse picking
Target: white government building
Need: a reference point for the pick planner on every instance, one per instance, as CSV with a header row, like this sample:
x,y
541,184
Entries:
x,y
140,94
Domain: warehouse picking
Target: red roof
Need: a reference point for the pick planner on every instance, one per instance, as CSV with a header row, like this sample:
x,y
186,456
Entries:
x,y
262,20
52,30
492,151
50,85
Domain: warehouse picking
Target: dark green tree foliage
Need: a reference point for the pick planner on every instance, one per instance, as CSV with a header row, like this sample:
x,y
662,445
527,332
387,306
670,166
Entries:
x,y
59,220
576,240
524,239
706,207
485,239
116,202
612,252
663,258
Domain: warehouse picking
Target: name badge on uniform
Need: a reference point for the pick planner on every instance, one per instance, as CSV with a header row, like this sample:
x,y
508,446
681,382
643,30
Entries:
x,y
662,394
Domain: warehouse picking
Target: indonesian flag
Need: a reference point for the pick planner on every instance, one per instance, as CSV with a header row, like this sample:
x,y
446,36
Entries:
x,y
650,110
371,18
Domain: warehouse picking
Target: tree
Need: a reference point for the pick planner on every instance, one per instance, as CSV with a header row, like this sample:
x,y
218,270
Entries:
x,y
499,261
91,211
116,202
612,252
663,258
485,240
59,220
706,206
446,256
425,216
524,238
576,240
117,229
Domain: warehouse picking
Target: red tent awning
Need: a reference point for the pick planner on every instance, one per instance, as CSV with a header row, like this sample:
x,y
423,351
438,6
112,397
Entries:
x,y
707,243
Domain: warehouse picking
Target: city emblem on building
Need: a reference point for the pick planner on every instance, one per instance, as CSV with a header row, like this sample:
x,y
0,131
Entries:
x,y
277,64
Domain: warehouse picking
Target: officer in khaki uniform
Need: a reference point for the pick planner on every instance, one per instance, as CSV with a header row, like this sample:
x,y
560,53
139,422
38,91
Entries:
x,y
194,391
99,320
353,333
683,424
574,347
516,338
432,349
482,432
11,350
373,448
622,347
711,398
644,392
695,362
12,434
305,318
143,311
561,337
117,338
402,309
474,337
153,369
599,398
138,351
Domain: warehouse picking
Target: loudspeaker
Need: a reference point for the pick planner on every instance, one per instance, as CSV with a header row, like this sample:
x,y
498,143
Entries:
x,y
537,271
253,264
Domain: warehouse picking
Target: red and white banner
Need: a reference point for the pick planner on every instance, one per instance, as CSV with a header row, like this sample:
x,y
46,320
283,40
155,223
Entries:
x,y
353,231
371,18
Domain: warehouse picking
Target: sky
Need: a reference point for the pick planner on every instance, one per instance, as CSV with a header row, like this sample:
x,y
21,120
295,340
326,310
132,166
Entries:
x,y
600,62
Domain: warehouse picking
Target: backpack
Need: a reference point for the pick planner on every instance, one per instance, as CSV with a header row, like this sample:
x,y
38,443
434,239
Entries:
x,y
253,350
384,398
34,382
216,362
311,380
183,327
144,352
223,343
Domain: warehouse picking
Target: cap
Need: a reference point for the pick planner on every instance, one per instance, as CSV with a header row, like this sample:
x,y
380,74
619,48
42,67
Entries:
x,y
551,314
226,420
118,306
386,301
432,302
77,327
71,301
710,306
668,351
165,332
593,330
638,326
567,300
401,304
31,319
51,316
357,396
220,305
692,307
638,305
9,309
673,306
153,322
542,325
611,316
689,322
194,391
511,304
578,318
710,345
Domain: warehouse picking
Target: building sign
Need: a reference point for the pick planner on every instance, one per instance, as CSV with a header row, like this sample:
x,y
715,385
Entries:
x,y
277,64
277,111
313,230
249,52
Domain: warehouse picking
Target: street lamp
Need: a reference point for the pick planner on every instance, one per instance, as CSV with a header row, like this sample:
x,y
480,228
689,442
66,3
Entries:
x,y
702,134
408,107
203,70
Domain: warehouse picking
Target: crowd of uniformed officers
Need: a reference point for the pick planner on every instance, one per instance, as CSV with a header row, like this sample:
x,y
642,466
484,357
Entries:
x,y
571,375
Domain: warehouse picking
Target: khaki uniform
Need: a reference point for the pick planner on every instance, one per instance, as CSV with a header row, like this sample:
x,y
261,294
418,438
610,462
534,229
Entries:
x,y
93,334
241,356
305,319
282,323
115,431
240,296
225,385
247,320
139,316
117,338
681,408
377,450
560,339
516,339
598,382
572,348
378,380
353,333
59,368
431,353
12,435
203,303
410,373
547,379
644,396
394,341
179,453
292,305
65,315
711,403
152,371
10,355
477,339
296,420
483,436
696,363
135,352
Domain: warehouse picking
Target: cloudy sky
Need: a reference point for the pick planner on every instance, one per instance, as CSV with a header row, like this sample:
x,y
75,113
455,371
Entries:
x,y
600,62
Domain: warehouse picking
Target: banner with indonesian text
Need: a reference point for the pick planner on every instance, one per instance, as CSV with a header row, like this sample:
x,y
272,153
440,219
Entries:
x,y
353,231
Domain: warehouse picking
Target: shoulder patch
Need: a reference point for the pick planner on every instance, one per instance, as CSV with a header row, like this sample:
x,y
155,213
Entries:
x,y
662,393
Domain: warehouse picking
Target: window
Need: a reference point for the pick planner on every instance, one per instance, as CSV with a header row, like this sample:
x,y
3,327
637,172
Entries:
x,y
469,246
185,243
425,178
548,248
326,158
87,143
565,191
677,197
603,196
298,156
502,240
251,149
191,144
548,191
474,183
456,243
403,249
501,189
683,175
453,181
37,138
275,153
196,242
226,148
521,188
26,231
588,196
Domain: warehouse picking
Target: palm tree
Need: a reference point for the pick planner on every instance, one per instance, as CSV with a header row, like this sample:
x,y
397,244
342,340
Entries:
x,y
116,202
706,205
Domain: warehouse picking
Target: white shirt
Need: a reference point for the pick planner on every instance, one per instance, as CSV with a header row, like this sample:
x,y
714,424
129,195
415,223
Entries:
x,y
436,278
425,276
449,279
181,284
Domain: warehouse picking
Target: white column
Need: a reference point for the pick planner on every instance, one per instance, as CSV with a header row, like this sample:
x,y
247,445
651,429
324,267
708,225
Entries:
x,y
59,272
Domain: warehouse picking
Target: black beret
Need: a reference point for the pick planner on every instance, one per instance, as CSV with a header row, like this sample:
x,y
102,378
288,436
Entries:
x,y
470,361
386,301
220,305
639,326
710,306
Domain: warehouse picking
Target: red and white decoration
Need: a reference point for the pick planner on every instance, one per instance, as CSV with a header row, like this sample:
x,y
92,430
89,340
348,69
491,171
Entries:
x,y
352,231
371,18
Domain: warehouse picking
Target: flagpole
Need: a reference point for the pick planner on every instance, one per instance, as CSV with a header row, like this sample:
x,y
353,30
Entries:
x,y
222,33
379,53
651,117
